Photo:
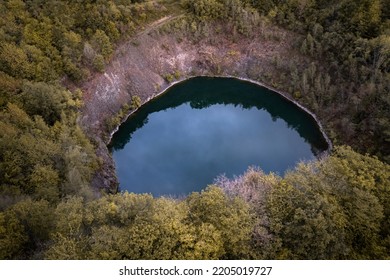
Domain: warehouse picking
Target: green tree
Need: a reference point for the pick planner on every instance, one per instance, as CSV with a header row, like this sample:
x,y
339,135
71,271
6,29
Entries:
x,y
12,236
305,224
230,216
44,100
25,228
14,61
69,241
135,102
332,209
363,190
45,181
101,43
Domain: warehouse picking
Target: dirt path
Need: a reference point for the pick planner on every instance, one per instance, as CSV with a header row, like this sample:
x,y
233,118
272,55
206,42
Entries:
x,y
157,24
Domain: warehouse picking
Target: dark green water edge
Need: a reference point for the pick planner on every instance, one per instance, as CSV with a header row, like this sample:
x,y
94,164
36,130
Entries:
x,y
198,96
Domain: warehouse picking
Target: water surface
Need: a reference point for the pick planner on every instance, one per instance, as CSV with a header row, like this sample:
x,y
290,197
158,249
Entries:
x,y
204,127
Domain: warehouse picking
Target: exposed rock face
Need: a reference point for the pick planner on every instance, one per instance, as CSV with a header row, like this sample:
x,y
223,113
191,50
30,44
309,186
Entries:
x,y
142,67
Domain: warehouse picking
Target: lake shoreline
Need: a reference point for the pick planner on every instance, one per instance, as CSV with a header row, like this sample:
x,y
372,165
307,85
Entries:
x,y
217,115
285,95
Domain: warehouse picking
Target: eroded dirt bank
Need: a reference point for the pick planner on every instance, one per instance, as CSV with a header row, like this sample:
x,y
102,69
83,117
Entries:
x,y
148,63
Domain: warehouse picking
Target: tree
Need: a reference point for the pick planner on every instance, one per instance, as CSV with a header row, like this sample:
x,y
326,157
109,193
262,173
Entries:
x,y
254,187
44,100
25,228
230,216
331,209
101,43
305,224
12,236
364,16
135,102
14,60
98,63
361,185
68,237
45,182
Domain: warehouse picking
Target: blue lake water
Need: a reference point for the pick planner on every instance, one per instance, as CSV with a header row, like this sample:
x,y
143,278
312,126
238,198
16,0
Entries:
x,y
204,127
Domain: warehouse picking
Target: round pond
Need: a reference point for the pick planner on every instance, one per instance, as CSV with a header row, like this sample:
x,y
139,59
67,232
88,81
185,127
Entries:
x,y
204,127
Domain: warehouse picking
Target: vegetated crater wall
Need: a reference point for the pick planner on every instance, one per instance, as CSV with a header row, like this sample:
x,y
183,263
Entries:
x,y
150,62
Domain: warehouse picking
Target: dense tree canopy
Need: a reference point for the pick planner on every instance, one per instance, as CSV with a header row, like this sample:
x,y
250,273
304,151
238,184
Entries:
x,y
334,208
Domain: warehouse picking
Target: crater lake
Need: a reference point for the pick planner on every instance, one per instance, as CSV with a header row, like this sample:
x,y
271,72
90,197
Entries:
x,y
204,127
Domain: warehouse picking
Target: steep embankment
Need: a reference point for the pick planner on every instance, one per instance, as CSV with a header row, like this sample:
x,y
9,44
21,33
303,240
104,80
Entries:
x,y
149,62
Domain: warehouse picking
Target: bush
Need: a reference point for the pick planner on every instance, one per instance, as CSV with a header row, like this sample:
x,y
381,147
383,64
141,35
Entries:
x,y
135,102
98,63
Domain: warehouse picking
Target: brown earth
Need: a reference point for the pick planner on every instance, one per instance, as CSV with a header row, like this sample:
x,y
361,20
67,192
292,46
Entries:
x,y
141,65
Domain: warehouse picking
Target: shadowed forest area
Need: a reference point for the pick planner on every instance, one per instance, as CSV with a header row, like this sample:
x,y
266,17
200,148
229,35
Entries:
x,y
333,208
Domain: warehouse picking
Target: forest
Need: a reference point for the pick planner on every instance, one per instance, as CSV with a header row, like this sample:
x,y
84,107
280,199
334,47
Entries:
x,y
336,207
